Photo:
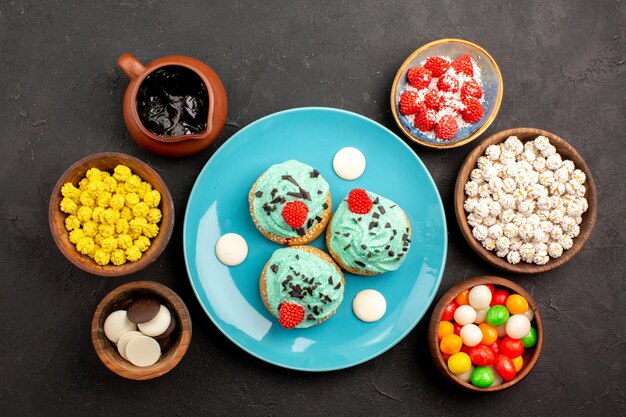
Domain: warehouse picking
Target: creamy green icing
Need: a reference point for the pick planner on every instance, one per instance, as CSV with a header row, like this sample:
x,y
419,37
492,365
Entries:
x,y
292,180
302,278
377,241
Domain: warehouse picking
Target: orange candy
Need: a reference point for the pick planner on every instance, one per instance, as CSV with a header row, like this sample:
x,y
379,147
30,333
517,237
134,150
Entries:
x,y
451,344
518,362
463,298
490,334
445,328
516,304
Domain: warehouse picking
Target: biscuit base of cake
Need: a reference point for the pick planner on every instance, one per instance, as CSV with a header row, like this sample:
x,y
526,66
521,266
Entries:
x,y
351,269
308,249
308,237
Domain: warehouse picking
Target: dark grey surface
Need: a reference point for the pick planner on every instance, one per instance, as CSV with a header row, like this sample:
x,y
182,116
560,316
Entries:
x,y
562,63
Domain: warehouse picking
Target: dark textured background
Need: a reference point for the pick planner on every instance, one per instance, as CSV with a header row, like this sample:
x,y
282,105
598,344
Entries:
x,y
563,68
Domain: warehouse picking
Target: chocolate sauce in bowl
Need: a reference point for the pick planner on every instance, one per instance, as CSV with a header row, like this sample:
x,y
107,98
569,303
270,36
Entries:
x,y
173,101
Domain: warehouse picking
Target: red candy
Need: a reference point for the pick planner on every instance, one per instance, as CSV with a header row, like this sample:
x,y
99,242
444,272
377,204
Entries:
x,y
482,355
496,346
457,329
492,288
360,203
448,313
505,367
499,297
511,347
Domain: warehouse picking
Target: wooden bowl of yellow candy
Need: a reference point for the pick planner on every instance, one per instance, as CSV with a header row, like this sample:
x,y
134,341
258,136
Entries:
x,y
111,214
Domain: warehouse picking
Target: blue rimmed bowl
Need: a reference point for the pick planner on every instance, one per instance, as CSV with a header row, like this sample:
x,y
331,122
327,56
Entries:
x,y
491,83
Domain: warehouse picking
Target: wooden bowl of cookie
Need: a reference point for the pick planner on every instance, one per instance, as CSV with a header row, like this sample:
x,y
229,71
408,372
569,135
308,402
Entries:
x,y
525,201
111,214
141,330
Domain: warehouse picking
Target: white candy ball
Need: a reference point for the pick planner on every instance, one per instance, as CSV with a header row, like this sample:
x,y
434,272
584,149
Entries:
x,y
464,315
480,315
497,379
529,314
466,376
517,326
471,335
480,297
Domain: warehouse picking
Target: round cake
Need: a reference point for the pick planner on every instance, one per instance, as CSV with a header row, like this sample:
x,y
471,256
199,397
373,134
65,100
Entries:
x,y
301,286
368,234
290,203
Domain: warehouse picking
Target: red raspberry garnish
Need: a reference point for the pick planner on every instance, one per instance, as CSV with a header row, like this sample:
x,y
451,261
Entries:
x,y
295,213
473,110
437,65
448,83
419,77
446,128
290,315
431,100
452,105
425,121
408,103
471,89
359,202
463,64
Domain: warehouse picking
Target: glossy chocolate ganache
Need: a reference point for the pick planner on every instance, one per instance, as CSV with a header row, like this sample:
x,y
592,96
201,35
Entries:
x,y
173,101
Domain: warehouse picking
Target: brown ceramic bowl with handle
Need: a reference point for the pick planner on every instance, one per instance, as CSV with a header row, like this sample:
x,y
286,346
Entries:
x,y
107,161
178,146
525,134
119,299
530,355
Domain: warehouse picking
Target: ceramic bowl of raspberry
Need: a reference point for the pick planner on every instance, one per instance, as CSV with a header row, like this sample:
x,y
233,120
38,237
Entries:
x,y
446,93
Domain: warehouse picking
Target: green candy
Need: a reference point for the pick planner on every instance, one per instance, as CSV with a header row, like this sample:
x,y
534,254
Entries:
x,y
497,315
482,377
530,339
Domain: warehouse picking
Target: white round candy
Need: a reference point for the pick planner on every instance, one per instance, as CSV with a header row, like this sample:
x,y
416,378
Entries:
x,y
467,375
123,342
497,379
480,315
369,306
464,315
231,249
471,335
480,297
143,351
116,324
158,325
530,314
517,326
349,163
501,329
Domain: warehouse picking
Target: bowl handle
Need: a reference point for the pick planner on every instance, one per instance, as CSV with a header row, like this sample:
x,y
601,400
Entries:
x,y
131,66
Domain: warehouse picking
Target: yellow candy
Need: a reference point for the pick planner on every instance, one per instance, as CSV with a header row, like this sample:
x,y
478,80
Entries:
x,y
142,242
68,206
124,241
133,253
87,200
118,257
133,184
94,175
76,235
86,245
140,209
72,222
121,226
68,190
117,201
103,199
137,224
131,199
516,304
106,230
122,173
110,216
84,214
154,215
517,363
144,189
110,184
101,257
83,184
151,230
126,214
96,214
109,244
152,198
90,229
459,363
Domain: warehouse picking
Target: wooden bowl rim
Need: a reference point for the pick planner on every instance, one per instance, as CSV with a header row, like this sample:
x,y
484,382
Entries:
x,y
449,295
119,365
589,218
486,124
89,265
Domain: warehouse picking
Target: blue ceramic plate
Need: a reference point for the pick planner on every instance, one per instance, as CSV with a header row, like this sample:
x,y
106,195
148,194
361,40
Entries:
x,y
491,83
218,204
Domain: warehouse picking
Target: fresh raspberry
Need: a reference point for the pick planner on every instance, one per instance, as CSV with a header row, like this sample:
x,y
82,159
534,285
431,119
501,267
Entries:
x,y
448,83
425,121
451,104
471,89
408,103
290,315
359,202
295,213
463,64
446,128
431,100
419,77
437,65
473,110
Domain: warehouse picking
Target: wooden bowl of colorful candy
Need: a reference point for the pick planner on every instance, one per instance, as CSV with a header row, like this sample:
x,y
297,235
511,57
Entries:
x,y
485,334
111,214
